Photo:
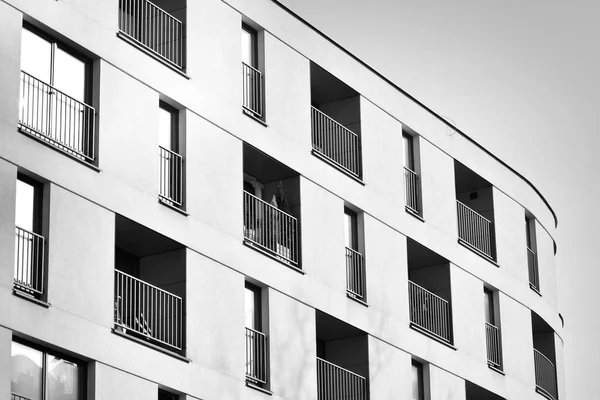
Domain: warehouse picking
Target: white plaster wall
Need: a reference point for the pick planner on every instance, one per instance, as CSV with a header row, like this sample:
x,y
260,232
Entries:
x,y
546,266
511,241
560,366
5,362
444,385
468,315
390,371
8,184
115,384
10,61
293,348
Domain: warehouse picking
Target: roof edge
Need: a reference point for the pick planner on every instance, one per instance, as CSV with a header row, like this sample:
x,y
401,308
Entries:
x,y
439,117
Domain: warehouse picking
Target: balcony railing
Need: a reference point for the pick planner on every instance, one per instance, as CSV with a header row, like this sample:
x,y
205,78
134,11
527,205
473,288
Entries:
x,y
256,357
15,396
252,86
29,262
54,117
534,274
545,375
355,274
270,229
493,345
430,312
336,143
171,177
412,190
337,383
153,28
148,312
475,230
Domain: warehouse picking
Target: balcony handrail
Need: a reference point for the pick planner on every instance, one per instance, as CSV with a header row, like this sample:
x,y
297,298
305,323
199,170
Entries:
x,y
411,171
270,205
470,209
259,333
29,232
163,11
257,363
148,284
15,396
59,91
494,352
354,251
334,121
252,68
429,292
539,353
29,261
341,368
177,155
355,274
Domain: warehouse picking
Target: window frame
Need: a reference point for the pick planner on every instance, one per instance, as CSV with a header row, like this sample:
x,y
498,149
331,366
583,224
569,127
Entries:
x,y
82,366
38,205
174,136
408,154
58,44
420,380
257,304
253,44
351,216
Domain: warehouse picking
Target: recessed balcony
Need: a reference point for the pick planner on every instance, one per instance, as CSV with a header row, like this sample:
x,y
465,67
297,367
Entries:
x,y
429,293
475,212
157,26
149,292
493,346
335,122
271,199
29,262
544,358
342,360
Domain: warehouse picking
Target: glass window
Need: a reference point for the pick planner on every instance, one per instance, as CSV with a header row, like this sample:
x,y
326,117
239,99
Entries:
x,y
33,370
164,395
36,55
409,161
252,301
26,205
417,381
69,75
249,42
350,227
489,306
167,127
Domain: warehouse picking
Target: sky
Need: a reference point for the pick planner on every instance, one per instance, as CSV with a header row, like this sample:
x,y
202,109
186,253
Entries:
x,y
522,78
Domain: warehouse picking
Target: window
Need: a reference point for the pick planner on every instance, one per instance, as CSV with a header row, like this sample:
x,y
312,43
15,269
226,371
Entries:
x,y
41,375
532,262
252,80
170,160
412,183
165,395
355,265
29,241
256,340
417,381
492,330
55,95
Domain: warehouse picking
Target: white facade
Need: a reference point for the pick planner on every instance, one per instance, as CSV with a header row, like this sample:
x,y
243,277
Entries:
x,y
89,207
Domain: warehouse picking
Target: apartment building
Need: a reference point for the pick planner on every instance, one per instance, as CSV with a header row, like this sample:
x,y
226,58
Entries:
x,y
213,200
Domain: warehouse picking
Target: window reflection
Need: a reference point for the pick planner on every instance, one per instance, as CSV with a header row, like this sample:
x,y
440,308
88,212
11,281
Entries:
x,y
26,378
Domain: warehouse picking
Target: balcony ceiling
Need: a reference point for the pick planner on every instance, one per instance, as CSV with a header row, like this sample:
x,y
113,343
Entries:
x,y
467,180
326,88
141,241
420,256
330,328
263,167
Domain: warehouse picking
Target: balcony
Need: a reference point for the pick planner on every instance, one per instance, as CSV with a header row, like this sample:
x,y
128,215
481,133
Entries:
x,y
155,29
170,177
355,274
337,383
412,187
256,357
29,263
14,396
335,122
429,293
57,119
475,212
147,311
475,230
149,287
534,274
271,201
493,346
342,360
545,375
252,90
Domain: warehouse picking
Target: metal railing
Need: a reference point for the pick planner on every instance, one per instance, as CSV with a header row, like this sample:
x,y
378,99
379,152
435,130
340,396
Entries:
x,y
534,274
430,312
270,228
412,190
148,311
256,356
171,176
154,28
336,142
56,118
252,90
355,274
14,396
475,230
545,375
337,383
29,262
493,345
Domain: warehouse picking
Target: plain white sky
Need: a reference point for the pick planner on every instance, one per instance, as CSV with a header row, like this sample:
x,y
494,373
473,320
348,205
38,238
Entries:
x,y
523,79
